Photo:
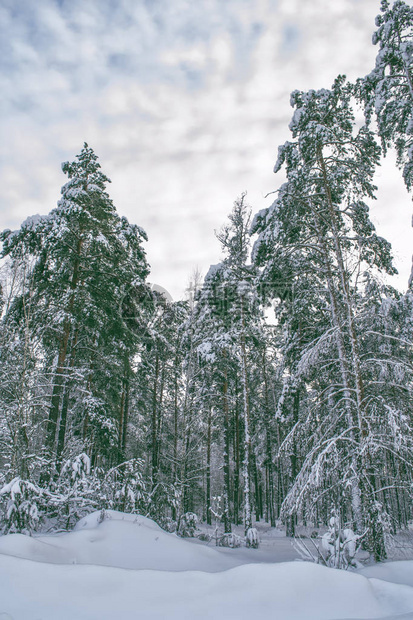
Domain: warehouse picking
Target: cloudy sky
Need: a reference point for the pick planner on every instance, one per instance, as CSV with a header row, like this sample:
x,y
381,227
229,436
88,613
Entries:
x,y
184,102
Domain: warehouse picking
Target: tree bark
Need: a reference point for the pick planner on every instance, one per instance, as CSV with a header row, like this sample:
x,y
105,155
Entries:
x,y
65,402
226,515
208,470
59,374
247,437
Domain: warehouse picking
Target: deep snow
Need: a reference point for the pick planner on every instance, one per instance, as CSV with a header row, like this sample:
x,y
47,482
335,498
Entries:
x,y
126,567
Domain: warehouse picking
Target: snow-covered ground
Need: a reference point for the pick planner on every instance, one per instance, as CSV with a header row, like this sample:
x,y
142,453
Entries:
x,y
126,567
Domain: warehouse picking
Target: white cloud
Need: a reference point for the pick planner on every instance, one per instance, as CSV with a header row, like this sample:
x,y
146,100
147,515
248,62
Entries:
x,y
185,103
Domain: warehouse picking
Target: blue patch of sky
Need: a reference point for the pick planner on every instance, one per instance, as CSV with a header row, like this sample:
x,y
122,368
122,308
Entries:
x,y
120,62
194,78
244,42
291,39
159,25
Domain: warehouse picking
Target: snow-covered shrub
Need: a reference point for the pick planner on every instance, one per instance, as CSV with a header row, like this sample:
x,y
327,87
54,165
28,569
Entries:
x,y
251,538
204,536
23,506
126,487
77,468
76,492
170,525
378,530
230,540
187,525
102,515
163,499
339,545
337,548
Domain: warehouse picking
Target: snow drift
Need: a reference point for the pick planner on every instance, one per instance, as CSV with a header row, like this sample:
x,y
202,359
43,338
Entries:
x,y
127,567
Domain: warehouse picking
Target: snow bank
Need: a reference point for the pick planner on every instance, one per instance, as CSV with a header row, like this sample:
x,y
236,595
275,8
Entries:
x,y
30,590
131,569
396,572
121,540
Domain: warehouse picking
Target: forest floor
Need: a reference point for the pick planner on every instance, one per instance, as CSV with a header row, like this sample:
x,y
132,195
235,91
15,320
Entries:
x,y
126,567
276,547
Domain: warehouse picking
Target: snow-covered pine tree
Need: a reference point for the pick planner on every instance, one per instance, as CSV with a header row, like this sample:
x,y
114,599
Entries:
x,y
215,352
386,325
88,262
227,308
320,219
164,424
23,384
192,414
387,92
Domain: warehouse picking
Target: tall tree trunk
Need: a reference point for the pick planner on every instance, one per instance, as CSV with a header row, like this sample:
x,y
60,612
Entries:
x,y
187,431
367,510
269,477
208,469
154,429
20,435
292,518
352,421
226,516
124,411
175,438
247,436
160,419
257,487
59,374
237,459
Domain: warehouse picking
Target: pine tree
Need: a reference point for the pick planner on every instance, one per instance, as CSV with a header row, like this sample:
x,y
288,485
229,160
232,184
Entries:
x,y
22,392
319,226
229,321
387,92
89,273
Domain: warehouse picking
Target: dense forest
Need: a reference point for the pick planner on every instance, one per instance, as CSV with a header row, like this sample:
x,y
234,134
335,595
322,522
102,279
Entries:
x,y
281,389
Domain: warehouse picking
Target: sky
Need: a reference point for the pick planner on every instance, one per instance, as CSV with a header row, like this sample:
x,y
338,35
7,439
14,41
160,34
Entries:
x,y
185,104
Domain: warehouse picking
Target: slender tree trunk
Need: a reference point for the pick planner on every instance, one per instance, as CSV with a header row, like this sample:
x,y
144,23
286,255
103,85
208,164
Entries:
x,y
20,432
160,419
368,479
65,402
59,374
154,446
257,487
268,447
226,516
292,518
247,437
208,469
351,421
124,411
237,460
187,430
126,414
121,421
175,439
348,302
